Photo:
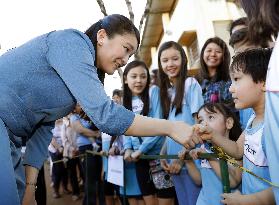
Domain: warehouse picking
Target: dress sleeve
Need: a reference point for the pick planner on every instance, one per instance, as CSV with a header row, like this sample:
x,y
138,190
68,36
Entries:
x,y
36,151
71,54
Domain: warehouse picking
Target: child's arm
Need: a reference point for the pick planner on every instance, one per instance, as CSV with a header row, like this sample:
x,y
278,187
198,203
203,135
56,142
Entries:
x,y
264,197
235,174
164,163
234,149
77,126
193,172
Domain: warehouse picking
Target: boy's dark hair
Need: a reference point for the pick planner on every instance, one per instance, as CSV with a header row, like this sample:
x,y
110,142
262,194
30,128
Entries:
x,y
127,94
164,82
222,72
117,92
236,130
253,62
112,24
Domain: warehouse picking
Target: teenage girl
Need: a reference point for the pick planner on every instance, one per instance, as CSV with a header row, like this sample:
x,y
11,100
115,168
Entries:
x,y
181,97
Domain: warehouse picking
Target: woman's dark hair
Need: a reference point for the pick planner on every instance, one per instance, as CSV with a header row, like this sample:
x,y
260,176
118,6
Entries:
x,y
253,62
112,24
240,34
236,130
240,21
127,94
263,16
222,72
164,82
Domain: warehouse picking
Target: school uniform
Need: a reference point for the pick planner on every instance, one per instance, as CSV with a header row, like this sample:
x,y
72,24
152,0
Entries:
x,y
60,62
271,122
254,159
187,191
147,145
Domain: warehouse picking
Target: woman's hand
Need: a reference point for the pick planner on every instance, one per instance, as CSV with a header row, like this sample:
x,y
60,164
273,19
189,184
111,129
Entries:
x,y
185,134
29,195
194,153
204,132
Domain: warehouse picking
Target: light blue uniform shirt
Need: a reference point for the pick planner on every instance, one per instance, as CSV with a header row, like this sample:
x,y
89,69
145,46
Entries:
x,y
192,101
271,121
40,82
254,159
81,139
149,145
186,190
212,187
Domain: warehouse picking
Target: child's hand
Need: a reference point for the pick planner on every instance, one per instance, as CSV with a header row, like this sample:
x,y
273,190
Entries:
x,y
176,166
135,155
231,198
127,155
165,165
114,151
204,131
182,153
194,153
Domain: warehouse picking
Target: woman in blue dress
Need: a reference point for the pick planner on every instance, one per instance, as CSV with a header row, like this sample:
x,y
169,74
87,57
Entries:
x,y
68,63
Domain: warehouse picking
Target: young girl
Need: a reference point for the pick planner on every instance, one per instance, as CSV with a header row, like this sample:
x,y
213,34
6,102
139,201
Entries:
x,y
181,97
207,172
138,98
214,73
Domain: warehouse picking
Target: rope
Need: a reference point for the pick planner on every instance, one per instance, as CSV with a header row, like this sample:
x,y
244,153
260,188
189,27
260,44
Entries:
x,y
222,155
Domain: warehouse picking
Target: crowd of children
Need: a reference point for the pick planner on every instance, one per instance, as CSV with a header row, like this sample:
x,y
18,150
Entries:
x,y
215,102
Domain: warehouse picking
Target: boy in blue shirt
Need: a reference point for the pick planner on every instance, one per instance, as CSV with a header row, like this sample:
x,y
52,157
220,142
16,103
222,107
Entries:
x,y
248,75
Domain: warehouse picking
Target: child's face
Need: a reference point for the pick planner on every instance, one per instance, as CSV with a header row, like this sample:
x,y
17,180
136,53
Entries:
x,y
137,80
116,99
213,55
171,61
214,120
245,92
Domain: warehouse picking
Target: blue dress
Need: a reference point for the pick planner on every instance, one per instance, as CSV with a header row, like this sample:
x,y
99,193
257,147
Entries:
x,y
187,191
61,63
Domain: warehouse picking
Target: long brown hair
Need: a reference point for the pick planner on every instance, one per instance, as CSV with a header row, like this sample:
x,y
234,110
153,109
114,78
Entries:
x,y
222,72
164,82
263,19
127,94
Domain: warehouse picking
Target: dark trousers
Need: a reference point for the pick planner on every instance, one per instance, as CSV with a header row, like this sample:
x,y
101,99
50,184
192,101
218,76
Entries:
x,y
40,193
59,172
72,171
93,187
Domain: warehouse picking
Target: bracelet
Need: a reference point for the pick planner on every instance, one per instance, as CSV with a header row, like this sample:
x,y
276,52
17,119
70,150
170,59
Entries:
x,y
31,184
